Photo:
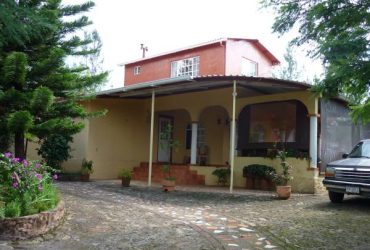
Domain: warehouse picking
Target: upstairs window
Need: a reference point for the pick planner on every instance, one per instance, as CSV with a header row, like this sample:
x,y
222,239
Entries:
x,y
185,67
137,70
249,68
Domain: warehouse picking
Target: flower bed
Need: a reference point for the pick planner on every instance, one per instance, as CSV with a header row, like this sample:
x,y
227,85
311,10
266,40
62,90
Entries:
x,y
26,188
32,225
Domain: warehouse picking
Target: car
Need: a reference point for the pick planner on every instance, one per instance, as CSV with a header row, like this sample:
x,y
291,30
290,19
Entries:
x,y
350,175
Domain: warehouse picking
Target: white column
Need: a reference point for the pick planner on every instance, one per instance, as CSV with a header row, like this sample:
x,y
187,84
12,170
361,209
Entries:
x,y
151,140
232,146
313,141
194,139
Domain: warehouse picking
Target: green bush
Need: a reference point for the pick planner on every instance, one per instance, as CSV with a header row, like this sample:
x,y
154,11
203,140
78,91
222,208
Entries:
x,y
258,170
13,209
55,149
2,210
25,187
125,174
222,174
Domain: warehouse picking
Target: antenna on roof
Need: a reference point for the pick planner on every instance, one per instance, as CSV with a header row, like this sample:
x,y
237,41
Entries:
x,y
144,49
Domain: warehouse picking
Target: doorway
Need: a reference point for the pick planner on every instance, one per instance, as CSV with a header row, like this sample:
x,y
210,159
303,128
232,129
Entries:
x,y
164,152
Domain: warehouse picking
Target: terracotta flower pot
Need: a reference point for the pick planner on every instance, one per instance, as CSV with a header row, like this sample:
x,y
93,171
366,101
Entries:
x,y
249,182
266,184
283,192
168,185
85,177
126,182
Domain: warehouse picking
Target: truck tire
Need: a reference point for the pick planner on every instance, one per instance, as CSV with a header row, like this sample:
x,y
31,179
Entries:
x,y
336,197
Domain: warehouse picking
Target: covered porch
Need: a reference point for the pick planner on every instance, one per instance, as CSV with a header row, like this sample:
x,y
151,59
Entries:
x,y
215,121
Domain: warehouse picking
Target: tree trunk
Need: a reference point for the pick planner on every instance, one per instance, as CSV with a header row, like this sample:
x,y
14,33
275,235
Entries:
x,y
19,145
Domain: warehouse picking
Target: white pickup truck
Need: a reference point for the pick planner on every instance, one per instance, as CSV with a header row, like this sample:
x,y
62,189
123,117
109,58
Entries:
x,y
351,175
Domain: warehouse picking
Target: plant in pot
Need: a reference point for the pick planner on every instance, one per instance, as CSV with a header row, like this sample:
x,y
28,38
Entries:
x,y
282,179
86,170
258,176
168,142
125,176
223,175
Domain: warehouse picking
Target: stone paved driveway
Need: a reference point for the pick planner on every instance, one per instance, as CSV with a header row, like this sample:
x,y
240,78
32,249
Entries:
x,y
103,215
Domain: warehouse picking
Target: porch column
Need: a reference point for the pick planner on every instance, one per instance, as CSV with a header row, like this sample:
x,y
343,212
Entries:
x,y
151,140
313,140
232,141
194,140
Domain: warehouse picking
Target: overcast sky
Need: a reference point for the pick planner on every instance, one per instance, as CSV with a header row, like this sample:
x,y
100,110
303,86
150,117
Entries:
x,y
164,25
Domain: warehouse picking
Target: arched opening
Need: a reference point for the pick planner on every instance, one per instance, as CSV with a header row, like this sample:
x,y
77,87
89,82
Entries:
x,y
213,136
282,124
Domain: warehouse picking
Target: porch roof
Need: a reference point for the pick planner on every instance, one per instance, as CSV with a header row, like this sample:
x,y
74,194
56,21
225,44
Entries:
x,y
246,85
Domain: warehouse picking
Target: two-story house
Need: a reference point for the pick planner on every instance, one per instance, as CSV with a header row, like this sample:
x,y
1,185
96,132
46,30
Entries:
x,y
225,109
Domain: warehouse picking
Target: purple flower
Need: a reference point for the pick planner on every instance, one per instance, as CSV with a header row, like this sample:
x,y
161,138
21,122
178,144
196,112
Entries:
x,y
25,163
40,187
55,177
38,176
15,184
14,160
37,165
8,155
14,176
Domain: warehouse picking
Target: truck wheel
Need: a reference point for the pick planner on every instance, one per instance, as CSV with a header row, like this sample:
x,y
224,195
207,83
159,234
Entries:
x,y
336,197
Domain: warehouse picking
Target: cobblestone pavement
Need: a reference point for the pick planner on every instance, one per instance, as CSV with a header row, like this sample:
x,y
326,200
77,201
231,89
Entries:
x,y
103,215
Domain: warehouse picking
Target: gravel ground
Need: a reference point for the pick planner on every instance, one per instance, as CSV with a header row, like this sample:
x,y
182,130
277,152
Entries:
x,y
102,215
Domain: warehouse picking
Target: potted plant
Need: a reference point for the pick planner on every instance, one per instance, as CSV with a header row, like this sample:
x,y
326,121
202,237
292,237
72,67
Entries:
x,y
282,179
86,170
223,175
168,142
125,176
258,176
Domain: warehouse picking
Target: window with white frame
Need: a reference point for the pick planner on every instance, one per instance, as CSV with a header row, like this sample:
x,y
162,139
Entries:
x,y
249,68
137,70
185,67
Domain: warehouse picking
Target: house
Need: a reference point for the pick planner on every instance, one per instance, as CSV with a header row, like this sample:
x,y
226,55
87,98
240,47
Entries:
x,y
226,110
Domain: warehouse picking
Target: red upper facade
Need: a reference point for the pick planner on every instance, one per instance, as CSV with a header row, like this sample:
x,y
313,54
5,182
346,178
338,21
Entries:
x,y
230,56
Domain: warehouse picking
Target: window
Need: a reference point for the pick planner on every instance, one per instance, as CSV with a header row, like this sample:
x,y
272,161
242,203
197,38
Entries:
x,y
185,67
137,70
249,68
263,126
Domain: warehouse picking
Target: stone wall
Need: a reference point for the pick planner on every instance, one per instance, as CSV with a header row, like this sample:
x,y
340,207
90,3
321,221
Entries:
x,y
31,225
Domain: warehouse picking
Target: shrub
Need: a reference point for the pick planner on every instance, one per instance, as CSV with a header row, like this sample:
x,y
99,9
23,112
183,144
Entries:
x,y
286,175
87,167
222,174
2,210
25,187
125,174
258,170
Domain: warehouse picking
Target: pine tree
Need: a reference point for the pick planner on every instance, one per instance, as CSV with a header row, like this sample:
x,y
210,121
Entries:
x,y
39,93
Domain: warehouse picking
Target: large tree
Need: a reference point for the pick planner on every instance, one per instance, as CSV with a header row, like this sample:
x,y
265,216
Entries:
x,y
338,33
40,94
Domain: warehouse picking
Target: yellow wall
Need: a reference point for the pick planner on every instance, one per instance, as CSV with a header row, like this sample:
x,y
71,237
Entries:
x,y
120,139
303,182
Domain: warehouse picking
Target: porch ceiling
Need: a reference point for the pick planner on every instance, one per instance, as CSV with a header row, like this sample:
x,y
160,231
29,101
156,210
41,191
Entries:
x,y
247,86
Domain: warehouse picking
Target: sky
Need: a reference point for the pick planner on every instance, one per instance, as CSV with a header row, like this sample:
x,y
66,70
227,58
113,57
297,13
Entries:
x,y
165,25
